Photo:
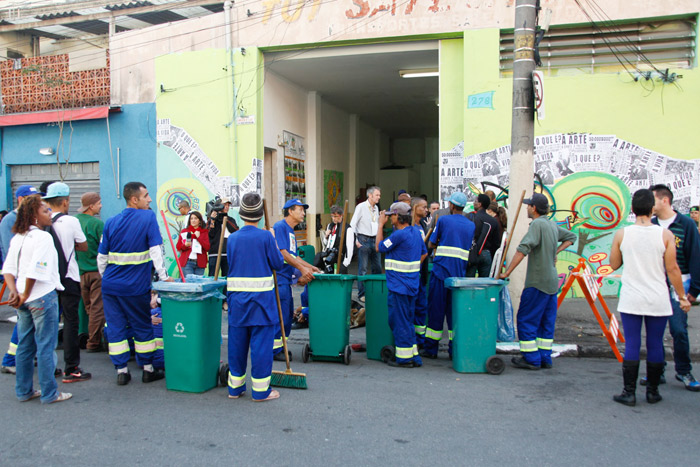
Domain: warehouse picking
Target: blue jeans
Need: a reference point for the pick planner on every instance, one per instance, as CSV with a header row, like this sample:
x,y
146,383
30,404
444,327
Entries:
x,y
678,325
191,268
37,328
481,264
367,255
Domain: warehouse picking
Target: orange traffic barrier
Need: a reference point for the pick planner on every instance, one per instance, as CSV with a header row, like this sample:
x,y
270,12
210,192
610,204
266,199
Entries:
x,y
591,290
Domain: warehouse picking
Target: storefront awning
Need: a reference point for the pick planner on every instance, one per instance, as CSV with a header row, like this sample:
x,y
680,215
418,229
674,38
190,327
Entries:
x,y
52,116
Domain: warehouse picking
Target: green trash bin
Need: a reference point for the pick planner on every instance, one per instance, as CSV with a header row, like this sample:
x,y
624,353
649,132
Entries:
x,y
191,332
83,321
475,303
329,318
307,253
377,328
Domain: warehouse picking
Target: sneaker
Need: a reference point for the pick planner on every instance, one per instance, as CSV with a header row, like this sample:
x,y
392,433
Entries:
x,y
361,299
62,396
425,354
10,370
396,364
57,372
279,357
545,365
150,376
298,325
34,395
123,378
520,362
76,375
689,382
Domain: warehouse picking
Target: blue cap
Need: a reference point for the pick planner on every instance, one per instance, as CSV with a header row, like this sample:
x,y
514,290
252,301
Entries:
x,y
294,202
57,189
458,199
26,190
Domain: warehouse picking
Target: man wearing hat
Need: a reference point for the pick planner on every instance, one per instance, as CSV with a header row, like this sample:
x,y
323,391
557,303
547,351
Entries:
x,y
452,237
8,361
294,212
90,279
251,293
404,251
538,303
695,215
71,238
216,220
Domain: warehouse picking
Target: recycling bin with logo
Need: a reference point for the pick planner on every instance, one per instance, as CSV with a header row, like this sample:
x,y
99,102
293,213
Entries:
x,y
191,314
380,339
475,307
329,318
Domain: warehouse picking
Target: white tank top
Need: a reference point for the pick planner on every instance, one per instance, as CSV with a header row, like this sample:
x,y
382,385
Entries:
x,y
644,290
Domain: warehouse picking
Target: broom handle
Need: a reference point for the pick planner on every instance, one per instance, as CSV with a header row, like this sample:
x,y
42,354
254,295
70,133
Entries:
x,y
512,231
342,236
167,229
277,296
221,246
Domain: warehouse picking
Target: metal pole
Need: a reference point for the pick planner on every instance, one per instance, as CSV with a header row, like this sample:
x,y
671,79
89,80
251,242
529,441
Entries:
x,y
523,129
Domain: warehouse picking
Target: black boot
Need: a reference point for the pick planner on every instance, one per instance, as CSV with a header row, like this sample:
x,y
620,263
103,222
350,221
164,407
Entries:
x,y
654,372
630,371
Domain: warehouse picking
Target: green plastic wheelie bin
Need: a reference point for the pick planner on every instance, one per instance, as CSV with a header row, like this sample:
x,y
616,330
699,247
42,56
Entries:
x,y
475,306
329,318
380,339
191,332
307,253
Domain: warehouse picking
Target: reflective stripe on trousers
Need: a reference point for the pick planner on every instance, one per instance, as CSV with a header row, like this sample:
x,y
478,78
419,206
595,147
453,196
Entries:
x,y
125,259
277,344
528,346
250,284
402,266
261,385
433,334
12,349
159,343
420,330
145,347
451,334
404,352
452,252
118,348
544,344
235,381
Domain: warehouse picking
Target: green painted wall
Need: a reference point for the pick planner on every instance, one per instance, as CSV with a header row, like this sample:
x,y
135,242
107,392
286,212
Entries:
x,y
451,93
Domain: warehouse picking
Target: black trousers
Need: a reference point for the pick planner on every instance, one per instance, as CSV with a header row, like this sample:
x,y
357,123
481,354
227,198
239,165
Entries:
x,y
70,301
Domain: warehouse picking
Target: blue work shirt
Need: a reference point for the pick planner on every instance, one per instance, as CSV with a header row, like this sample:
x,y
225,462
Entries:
x,y
6,231
453,236
126,240
403,249
252,255
286,240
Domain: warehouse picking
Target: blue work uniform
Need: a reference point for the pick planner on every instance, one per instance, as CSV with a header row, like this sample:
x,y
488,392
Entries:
x,y
158,357
286,240
421,316
252,308
126,283
453,236
403,249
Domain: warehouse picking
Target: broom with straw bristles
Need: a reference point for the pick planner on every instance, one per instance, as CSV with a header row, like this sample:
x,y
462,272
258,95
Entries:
x,y
287,378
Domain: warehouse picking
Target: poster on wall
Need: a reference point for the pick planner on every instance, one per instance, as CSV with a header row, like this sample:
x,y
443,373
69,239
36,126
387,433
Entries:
x,y
295,175
332,189
452,172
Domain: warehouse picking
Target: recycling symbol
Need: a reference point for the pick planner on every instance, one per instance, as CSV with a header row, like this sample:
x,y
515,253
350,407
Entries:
x,y
179,327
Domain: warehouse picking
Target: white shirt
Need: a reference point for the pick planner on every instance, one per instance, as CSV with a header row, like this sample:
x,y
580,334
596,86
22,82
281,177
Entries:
x,y
33,255
667,222
69,233
365,220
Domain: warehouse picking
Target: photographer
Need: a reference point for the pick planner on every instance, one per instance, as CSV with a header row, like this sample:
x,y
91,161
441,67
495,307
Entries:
x,y
217,215
326,259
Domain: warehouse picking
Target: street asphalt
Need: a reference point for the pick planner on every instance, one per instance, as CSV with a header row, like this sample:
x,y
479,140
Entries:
x,y
364,414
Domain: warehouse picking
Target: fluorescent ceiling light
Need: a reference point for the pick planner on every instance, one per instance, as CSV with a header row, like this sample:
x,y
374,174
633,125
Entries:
x,y
421,73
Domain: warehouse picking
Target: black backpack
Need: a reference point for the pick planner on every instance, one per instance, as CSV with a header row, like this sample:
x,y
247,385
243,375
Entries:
x,y
62,261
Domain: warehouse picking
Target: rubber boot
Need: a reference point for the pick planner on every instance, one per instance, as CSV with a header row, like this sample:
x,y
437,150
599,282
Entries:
x,y
654,372
630,371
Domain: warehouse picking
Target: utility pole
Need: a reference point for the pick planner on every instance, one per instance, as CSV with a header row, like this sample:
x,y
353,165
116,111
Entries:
x,y
522,131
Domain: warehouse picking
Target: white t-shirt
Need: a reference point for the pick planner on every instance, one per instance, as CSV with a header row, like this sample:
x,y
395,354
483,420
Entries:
x,y
69,232
666,223
36,256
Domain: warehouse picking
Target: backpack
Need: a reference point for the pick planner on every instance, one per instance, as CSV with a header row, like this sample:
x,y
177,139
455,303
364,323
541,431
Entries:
x,y
62,260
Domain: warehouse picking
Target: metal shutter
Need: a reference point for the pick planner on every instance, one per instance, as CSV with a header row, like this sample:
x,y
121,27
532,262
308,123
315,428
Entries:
x,y
80,177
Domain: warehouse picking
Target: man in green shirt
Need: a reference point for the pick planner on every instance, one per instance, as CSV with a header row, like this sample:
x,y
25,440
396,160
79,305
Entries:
x,y
90,279
538,303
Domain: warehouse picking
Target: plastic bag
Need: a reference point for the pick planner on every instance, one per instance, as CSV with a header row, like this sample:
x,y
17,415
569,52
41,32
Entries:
x,y
506,326
197,288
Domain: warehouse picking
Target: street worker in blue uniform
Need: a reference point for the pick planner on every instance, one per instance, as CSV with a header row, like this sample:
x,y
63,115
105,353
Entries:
x,y
294,213
420,211
252,318
452,238
538,303
131,244
404,251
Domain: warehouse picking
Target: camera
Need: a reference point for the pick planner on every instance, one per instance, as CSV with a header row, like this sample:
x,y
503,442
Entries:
x,y
330,257
214,205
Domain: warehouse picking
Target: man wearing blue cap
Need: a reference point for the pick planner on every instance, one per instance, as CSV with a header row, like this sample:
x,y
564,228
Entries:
x,y
452,238
294,212
8,361
70,238
538,303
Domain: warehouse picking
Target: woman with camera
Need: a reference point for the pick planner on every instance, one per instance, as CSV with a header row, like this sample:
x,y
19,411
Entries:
x,y
194,245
